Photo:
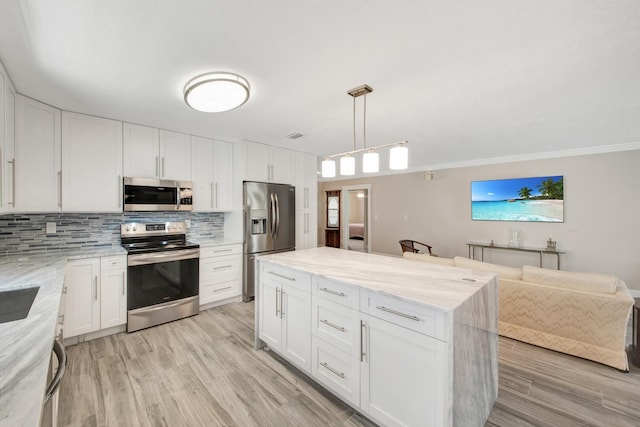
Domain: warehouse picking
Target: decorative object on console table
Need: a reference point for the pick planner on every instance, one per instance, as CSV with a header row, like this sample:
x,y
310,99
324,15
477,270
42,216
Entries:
x,y
551,245
492,245
635,335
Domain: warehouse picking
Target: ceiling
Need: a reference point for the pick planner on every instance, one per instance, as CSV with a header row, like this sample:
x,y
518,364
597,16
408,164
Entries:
x,y
462,81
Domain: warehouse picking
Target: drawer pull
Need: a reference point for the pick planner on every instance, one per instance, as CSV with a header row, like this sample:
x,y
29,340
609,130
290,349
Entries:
x,y
223,250
338,373
398,313
293,279
222,289
326,322
223,266
340,294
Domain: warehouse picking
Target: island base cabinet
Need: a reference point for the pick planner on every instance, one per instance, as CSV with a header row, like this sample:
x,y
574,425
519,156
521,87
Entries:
x,y
403,376
285,323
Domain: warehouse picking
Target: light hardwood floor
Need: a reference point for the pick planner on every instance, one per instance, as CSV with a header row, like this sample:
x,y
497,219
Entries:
x,y
203,371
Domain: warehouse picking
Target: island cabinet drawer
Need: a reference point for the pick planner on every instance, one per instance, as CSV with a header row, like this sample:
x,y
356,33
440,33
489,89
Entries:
x,y
336,370
336,324
340,293
214,251
413,316
280,275
220,269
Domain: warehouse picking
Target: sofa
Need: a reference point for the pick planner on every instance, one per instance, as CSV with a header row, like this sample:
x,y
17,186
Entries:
x,y
581,314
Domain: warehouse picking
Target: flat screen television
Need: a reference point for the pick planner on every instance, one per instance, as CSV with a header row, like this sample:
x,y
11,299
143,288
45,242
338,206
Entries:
x,y
538,199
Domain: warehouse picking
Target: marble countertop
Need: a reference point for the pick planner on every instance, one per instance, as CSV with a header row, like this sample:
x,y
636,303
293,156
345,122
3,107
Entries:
x,y
441,287
25,345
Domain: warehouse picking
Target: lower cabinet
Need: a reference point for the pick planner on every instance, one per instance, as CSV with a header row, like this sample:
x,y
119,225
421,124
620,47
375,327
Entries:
x,y
220,273
284,311
95,295
377,353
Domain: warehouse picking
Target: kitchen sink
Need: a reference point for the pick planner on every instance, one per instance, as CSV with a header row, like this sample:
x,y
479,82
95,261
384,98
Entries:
x,y
16,303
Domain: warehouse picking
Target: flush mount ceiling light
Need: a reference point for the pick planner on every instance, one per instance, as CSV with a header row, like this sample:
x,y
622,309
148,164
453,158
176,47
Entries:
x,y
398,158
216,92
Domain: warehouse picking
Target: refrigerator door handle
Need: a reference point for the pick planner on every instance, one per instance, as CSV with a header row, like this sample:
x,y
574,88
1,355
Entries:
x,y
272,220
277,215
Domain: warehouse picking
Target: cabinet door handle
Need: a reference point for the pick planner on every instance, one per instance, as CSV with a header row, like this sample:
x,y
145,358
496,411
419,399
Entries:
x,y
163,171
222,266
282,303
363,330
398,313
326,322
331,291
293,279
60,189
338,373
123,283
216,192
13,182
157,166
277,302
95,286
212,196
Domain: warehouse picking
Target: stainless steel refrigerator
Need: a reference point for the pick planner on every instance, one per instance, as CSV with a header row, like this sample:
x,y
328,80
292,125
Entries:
x,y
269,226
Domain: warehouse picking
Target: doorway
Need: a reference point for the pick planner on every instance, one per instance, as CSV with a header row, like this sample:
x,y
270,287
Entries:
x,y
356,217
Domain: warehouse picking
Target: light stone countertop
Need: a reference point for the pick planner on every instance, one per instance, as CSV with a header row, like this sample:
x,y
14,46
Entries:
x,y
208,243
25,345
441,287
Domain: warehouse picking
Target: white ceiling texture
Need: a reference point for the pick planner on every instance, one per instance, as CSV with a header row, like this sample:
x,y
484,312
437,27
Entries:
x,y
463,81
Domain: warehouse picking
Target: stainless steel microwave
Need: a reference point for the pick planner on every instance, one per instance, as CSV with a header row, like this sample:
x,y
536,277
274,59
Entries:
x,y
144,194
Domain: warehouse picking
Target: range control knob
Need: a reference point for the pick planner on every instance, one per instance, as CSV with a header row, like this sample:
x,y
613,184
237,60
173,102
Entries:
x,y
127,228
134,228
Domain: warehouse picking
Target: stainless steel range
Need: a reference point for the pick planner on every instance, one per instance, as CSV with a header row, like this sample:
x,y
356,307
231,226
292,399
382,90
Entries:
x,y
162,273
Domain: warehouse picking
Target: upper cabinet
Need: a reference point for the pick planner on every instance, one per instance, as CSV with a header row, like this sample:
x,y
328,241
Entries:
x,y
91,164
269,164
212,174
306,181
7,143
153,153
38,161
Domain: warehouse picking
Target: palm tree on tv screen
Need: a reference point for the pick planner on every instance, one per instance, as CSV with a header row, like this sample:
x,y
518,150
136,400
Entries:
x,y
552,190
525,192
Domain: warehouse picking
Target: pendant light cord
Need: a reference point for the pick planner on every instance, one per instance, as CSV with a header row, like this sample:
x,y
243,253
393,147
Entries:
x,y
354,123
364,123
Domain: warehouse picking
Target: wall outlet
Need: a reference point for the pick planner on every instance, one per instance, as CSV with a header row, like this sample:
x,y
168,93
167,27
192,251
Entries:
x,y
51,228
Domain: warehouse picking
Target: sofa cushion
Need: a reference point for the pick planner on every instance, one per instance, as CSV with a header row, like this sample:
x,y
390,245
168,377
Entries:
x,y
501,270
586,282
428,258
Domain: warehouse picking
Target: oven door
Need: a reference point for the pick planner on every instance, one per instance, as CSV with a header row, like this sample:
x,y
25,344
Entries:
x,y
160,277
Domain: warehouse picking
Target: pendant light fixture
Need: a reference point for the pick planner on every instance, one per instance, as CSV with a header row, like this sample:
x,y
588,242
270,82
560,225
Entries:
x,y
398,157
216,92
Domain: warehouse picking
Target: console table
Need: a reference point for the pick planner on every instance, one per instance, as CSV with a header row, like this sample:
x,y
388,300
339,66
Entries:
x,y
540,251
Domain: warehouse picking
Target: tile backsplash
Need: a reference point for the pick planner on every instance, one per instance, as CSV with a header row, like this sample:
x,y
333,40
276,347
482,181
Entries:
x,y
27,232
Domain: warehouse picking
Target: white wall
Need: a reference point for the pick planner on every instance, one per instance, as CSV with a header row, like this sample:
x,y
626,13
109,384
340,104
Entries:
x,y
601,232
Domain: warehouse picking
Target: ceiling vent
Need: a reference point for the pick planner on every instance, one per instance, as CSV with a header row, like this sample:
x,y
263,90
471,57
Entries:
x,y
294,135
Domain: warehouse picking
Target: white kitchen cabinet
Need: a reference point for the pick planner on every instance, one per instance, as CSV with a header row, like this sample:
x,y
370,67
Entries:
x,y
284,310
306,229
270,164
211,168
113,291
402,375
38,160
95,294
220,273
91,164
153,153
306,181
7,143
82,297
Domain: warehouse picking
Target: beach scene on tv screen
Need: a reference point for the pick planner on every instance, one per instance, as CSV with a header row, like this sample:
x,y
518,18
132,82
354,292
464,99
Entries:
x,y
518,199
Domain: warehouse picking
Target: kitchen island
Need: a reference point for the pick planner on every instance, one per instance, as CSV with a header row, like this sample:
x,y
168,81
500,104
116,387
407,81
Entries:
x,y
404,342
